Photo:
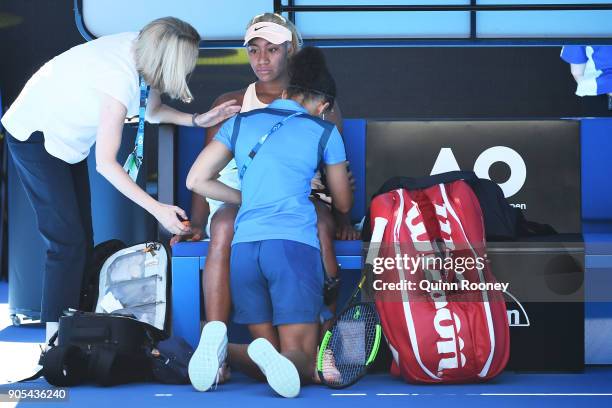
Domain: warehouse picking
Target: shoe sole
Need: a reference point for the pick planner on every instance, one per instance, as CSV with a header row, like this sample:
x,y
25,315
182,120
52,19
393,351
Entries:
x,y
204,364
280,373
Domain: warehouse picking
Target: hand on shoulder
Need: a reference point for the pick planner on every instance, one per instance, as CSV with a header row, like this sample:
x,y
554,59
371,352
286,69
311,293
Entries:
x,y
217,114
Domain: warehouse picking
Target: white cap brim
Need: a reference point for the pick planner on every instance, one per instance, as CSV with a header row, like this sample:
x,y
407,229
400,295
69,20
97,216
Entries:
x,y
271,32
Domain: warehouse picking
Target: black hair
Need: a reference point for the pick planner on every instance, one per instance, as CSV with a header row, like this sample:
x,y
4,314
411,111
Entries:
x,y
309,76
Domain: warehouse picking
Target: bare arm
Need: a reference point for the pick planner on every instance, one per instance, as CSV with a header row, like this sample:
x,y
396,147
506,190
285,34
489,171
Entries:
x,y
108,141
339,186
236,96
344,230
202,177
335,116
200,210
159,112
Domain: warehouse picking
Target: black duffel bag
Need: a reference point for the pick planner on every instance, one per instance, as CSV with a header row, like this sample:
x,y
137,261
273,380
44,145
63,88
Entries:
x,y
106,349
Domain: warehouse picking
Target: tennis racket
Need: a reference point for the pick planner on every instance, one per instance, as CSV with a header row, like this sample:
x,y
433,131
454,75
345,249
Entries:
x,y
350,345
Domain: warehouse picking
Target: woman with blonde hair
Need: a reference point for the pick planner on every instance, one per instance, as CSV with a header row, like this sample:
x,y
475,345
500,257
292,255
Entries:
x,y
82,97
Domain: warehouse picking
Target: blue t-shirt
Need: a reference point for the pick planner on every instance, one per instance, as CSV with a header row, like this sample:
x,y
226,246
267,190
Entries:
x,y
276,185
601,59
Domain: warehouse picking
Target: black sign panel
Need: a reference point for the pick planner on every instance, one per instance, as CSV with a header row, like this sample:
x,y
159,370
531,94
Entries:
x,y
537,163
545,303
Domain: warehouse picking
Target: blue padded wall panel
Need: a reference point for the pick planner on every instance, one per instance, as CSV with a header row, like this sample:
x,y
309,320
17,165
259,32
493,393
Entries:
x,y
189,144
597,224
596,168
354,133
186,298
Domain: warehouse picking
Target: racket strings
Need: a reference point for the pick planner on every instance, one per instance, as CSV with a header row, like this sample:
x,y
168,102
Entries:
x,y
353,338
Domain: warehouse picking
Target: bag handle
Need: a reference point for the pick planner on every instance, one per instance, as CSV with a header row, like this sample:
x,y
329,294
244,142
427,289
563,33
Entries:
x,y
412,183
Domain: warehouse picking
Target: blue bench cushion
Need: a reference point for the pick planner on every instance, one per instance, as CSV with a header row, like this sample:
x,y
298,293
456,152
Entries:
x,y
598,243
200,248
197,248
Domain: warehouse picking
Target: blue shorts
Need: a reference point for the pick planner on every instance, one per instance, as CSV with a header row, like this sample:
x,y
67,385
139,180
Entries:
x,y
278,281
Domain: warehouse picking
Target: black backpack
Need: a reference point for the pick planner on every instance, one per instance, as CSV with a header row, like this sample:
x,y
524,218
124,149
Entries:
x,y
101,348
120,335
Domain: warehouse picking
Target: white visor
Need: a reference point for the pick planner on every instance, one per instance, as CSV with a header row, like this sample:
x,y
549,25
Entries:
x,y
272,32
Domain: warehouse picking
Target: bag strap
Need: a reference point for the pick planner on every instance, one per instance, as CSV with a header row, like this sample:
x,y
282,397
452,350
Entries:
x,y
36,376
63,366
39,373
101,364
261,141
235,131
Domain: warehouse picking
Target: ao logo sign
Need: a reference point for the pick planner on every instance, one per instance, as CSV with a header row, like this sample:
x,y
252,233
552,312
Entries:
x,y
518,171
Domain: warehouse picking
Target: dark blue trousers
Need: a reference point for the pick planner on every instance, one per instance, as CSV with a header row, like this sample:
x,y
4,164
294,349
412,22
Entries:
x,y
60,195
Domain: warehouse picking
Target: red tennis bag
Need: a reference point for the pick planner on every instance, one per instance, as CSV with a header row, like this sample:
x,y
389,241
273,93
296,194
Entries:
x,y
458,330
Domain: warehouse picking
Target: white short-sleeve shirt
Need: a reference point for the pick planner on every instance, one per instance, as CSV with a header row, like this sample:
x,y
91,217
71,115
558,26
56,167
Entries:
x,y
62,99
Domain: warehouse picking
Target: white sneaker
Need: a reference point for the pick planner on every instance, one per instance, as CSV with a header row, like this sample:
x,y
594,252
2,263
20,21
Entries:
x,y
209,356
281,374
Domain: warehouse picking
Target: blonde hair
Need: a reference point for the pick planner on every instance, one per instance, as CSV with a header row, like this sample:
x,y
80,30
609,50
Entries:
x,y
166,52
296,37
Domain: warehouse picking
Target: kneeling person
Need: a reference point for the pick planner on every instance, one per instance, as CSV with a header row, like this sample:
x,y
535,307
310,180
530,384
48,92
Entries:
x,y
275,270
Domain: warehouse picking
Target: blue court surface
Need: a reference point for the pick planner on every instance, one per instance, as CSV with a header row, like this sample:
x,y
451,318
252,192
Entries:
x,y
19,349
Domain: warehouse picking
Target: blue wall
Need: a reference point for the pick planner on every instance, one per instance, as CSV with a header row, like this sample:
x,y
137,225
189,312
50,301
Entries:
x,y
596,171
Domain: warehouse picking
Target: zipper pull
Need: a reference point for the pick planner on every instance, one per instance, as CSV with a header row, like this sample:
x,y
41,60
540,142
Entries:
x,y
151,247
